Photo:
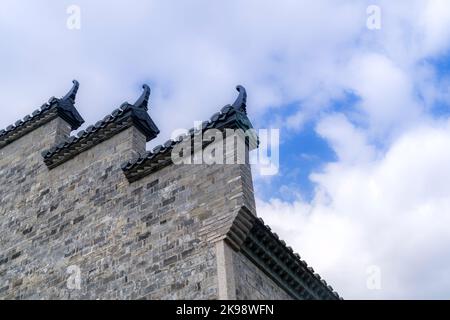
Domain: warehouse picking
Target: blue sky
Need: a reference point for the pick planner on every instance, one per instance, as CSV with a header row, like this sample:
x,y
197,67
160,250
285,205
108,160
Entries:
x,y
303,151
363,114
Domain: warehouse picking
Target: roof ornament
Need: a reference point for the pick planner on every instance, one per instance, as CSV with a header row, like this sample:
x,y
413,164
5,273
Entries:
x,y
142,102
241,102
70,96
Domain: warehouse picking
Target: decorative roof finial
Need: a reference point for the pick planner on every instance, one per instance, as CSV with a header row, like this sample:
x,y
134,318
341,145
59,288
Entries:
x,y
73,92
241,102
142,102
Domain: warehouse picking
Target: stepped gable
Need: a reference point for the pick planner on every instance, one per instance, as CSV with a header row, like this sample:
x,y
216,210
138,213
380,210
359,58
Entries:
x,y
232,116
120,119
63,107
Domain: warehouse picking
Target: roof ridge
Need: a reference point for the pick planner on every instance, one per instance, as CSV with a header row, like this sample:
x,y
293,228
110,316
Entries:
x,y
298,258
124,116
230,116
63,107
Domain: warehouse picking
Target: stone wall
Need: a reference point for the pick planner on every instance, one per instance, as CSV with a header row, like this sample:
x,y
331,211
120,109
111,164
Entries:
x,y
254,284
148,239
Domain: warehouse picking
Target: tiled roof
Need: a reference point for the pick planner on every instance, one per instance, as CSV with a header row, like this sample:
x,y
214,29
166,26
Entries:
x,y
120,119
271,253
55,107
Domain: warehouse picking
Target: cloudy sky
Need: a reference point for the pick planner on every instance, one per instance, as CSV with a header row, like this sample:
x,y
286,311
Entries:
x,y
363,191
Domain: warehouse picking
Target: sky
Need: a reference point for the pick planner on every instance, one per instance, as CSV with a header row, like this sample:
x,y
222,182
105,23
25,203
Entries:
x,y
363,188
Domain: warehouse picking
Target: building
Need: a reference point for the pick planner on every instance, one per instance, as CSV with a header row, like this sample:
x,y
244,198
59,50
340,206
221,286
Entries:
x,y
96,216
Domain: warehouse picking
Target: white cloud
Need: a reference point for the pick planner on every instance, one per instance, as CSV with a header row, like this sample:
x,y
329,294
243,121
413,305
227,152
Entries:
x,y
194,53
339,131
390,212
436,23
387,92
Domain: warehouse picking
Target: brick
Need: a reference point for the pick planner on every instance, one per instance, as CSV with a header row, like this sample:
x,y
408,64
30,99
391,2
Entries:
x,y
168,201
78,219
145,239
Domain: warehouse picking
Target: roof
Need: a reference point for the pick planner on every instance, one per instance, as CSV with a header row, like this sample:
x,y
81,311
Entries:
x,y
249,235
120,119
63,107
286,267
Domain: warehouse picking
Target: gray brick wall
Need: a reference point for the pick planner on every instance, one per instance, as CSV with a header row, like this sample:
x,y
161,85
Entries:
x,y
153,239
252,283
